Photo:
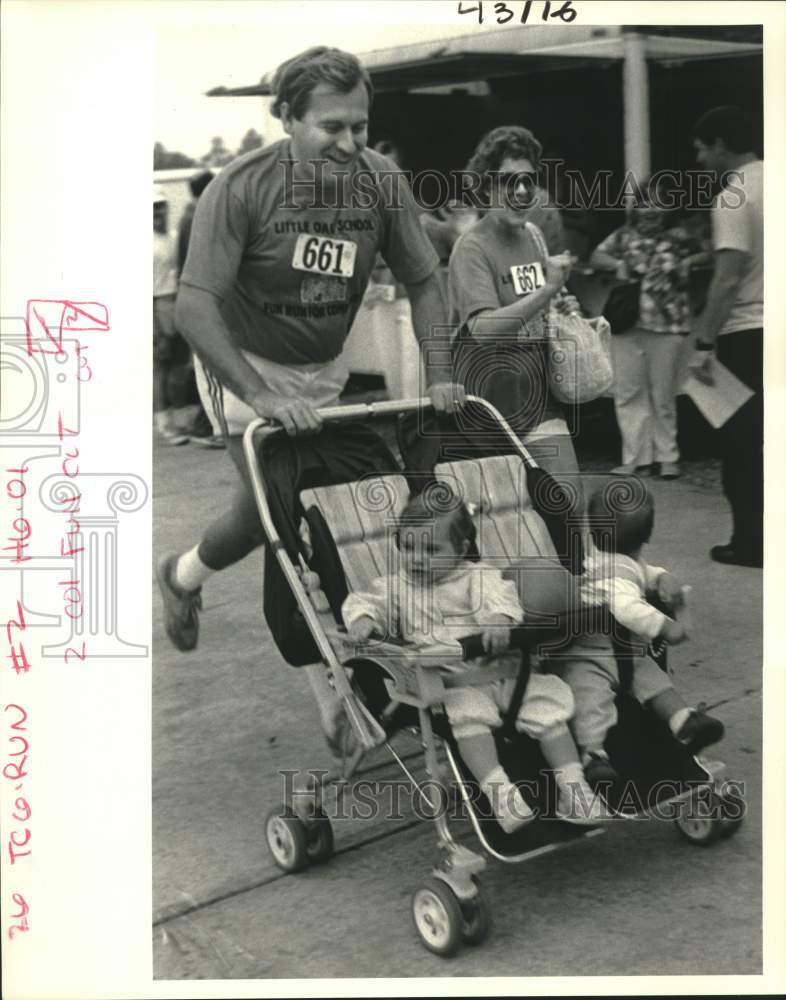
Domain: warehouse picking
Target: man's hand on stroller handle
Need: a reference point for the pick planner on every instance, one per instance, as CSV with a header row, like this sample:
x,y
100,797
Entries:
x,y
447,397
296,416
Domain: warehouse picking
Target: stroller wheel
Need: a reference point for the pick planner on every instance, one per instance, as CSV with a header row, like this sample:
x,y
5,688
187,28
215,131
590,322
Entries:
x,y
476,921
732,813
438,919
700,818
319,838
287,839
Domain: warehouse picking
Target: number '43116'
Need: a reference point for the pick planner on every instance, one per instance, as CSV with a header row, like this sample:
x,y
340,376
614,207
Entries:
x,y
504,12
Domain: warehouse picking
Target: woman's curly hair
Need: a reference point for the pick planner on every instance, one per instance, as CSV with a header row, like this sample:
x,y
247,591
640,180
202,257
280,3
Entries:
x,y
500,143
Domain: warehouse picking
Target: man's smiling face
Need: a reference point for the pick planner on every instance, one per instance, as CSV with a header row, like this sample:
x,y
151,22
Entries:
x,y
333,128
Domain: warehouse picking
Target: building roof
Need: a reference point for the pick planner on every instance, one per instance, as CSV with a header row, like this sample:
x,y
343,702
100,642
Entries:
x,y
530,48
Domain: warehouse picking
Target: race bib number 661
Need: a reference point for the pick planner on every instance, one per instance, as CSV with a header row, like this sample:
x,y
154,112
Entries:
x,y
322,255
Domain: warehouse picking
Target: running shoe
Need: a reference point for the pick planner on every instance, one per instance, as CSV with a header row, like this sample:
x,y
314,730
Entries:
x,y
181,607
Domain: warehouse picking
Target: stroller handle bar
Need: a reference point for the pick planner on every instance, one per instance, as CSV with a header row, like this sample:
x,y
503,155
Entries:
x,y
386,408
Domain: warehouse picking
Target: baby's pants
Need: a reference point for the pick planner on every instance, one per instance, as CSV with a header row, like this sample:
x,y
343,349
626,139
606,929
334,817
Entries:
x,y
593,677
545,709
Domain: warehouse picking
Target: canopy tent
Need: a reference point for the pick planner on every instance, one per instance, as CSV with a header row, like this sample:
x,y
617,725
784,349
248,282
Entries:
x,y
537,49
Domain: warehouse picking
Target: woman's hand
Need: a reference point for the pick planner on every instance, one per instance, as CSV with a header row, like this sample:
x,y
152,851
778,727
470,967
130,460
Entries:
x,y
558,270
567,304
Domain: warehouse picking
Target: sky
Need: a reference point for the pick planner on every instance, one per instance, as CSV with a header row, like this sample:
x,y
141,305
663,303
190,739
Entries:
x,y
204,45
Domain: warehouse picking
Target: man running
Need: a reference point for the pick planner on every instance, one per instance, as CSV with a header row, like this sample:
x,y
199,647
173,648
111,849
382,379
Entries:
x,y
282,246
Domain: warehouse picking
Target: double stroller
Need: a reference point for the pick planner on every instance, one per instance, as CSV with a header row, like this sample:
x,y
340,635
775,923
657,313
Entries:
x,y
325,540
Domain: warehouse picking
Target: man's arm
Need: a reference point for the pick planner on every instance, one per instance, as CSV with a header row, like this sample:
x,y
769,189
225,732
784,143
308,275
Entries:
x,y
428,320
183,238
198,318
729,271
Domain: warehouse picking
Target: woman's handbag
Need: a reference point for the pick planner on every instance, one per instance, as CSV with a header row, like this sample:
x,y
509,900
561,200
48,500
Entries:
x,y
579,357
579,350
622,306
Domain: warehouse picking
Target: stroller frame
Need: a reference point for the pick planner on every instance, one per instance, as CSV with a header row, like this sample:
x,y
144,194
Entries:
x,y
449,908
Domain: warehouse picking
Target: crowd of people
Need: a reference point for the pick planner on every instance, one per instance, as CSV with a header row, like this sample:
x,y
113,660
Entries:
x,y
266,323
174,385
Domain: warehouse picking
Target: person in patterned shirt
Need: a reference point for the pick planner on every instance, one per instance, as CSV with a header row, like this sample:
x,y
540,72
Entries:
x,y
651,249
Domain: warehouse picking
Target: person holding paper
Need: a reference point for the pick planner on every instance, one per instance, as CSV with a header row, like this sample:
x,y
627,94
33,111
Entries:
x,y
282,247
731,327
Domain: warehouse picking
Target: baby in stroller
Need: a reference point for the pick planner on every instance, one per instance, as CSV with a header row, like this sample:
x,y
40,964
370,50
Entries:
x,y
616,577
442,592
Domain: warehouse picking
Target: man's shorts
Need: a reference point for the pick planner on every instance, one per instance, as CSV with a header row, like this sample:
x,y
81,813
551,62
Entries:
x,y
318,384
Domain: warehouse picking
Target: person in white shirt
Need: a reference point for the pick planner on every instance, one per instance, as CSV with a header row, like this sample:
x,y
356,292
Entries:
x,y
169,348
732,323
441,592
617,578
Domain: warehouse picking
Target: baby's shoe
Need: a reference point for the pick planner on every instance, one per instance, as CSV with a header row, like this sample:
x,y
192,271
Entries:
x,y
576,802
510,809
598,769
699,730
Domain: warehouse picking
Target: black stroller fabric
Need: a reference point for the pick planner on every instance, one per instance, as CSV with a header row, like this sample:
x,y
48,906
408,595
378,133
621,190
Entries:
x,y
340,453
426,439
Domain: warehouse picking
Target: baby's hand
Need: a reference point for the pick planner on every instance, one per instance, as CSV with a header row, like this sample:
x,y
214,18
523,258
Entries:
x,y
671,591
361,629
496,635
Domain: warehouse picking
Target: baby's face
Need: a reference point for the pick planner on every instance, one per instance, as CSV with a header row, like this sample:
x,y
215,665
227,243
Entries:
x,y
427,551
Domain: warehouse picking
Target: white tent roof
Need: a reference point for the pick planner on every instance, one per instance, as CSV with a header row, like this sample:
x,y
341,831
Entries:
x,y
520,49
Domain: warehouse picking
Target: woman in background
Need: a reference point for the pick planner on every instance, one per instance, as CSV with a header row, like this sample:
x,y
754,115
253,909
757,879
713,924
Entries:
x,y
500,288
651,248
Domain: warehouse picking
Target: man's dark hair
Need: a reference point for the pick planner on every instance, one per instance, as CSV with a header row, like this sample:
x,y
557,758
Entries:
x,y
621,516
732,125
295,79
198,183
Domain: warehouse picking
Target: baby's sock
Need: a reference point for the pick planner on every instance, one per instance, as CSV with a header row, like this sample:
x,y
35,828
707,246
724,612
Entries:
x,y
576,802
509,807
569,774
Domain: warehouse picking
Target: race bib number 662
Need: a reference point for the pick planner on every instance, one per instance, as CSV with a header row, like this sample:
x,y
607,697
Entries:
x,y
527,278
322,255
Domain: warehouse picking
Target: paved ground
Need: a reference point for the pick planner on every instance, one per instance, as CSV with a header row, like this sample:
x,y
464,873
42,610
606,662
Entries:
x,y
230,716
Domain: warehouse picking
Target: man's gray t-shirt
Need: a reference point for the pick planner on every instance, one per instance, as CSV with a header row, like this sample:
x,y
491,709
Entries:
x,y
290,276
